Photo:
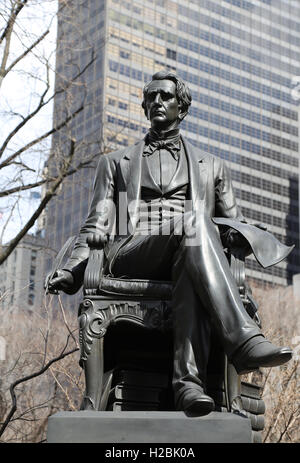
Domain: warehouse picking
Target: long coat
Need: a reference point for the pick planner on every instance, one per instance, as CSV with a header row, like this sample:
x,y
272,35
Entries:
x,y
114,209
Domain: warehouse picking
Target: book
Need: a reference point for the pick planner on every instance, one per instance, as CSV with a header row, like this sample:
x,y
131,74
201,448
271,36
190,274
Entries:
x,y
255,406
132,406
135,394
141,378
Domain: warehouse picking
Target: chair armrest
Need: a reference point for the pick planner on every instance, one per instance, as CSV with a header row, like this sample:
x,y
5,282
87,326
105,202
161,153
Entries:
x,y
236,257
94,268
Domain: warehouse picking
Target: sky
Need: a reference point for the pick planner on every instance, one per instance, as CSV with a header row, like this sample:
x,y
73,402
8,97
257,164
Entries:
x,y
19,94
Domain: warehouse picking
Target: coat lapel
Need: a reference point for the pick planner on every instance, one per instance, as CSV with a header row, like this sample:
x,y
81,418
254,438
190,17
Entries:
x,y
198,172
131,169
130,166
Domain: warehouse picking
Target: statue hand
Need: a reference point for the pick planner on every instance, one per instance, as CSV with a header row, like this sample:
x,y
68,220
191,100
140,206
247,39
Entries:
x,y
262,226
62,280
237,240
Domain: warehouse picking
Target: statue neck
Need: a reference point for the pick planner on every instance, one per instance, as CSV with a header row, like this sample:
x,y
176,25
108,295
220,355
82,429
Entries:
x,y
170,134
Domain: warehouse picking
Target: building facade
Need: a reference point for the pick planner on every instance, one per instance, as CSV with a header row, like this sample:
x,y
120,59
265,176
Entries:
x,y
240,59
21,276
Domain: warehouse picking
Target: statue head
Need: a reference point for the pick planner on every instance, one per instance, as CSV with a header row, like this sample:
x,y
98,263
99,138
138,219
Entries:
x,y
166,100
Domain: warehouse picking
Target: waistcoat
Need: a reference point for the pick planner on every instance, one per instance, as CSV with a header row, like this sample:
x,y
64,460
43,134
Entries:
x,y
159,204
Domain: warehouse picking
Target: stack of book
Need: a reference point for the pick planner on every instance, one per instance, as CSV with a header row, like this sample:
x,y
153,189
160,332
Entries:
x,y
150,391
253,406
139,390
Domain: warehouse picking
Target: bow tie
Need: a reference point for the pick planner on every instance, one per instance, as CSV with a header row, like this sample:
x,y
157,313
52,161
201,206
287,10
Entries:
x,y
172,146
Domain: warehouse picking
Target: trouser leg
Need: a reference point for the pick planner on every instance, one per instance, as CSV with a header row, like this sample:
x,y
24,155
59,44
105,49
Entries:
x,y
203,258
207,266
153,257
202,280
192,329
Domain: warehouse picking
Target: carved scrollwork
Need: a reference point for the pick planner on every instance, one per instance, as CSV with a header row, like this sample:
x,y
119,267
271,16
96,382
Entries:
x,y
94,321
92,325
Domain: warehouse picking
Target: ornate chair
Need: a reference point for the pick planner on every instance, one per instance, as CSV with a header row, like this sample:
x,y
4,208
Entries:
x,y
138,315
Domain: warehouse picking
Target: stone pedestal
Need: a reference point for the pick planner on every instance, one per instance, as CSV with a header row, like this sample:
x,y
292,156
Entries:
x,y
147,427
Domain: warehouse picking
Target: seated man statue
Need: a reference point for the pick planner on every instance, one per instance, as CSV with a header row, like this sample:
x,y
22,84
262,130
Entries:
x,y
166,210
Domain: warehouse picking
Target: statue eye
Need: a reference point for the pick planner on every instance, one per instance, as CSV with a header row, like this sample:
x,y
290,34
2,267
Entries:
x,y
166,96
151,96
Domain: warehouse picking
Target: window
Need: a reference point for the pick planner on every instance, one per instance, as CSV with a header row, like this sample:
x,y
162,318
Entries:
x,y
124,54
32,270
171,54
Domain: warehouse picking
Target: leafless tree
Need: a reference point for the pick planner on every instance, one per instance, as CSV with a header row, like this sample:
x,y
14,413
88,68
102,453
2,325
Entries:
x,y
39,149
279,311
40,375
30,87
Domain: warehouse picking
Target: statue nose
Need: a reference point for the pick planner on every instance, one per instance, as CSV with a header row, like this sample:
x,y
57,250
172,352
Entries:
x,y
157,98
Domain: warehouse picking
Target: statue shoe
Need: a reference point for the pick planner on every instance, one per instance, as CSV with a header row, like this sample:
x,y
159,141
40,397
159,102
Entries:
x,y
193,401
258,352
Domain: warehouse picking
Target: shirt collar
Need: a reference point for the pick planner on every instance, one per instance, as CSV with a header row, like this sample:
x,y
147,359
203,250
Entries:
x,y
168,136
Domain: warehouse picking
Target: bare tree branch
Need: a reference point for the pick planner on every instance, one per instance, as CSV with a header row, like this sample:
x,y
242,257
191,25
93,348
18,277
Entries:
x,y
25,53
19,188
5,54
65,392
22,164
39,106
279,409
42,137
8,219
13,16
39,97
65,321
27,378
291,420
7,250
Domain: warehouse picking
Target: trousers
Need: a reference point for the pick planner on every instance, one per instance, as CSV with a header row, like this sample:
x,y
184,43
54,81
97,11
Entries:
x,y
188,250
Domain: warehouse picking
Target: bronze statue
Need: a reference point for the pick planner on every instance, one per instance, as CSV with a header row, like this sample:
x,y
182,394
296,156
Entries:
x,y
165,210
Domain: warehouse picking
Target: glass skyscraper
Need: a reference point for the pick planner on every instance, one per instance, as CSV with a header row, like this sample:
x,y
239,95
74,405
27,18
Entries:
x,y
239,58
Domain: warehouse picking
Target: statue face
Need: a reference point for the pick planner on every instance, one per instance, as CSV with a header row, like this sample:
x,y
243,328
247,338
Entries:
x,y
162,107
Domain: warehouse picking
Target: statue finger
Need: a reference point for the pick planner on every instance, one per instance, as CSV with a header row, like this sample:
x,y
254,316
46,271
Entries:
x,y
260,225
56,281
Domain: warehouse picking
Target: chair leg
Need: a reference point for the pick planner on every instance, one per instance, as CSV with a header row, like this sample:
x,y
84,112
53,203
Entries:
x,y
232,389
107,381
92,329
93,370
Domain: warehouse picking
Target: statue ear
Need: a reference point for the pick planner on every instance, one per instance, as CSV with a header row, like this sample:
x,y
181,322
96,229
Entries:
x,y
146,112
181,114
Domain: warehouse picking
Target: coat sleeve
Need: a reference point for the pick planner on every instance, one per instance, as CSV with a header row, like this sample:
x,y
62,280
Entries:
x,y
265,247
100,218
225,201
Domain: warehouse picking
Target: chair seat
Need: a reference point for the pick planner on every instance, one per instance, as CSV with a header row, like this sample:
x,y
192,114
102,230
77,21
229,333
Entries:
x,y
156,289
